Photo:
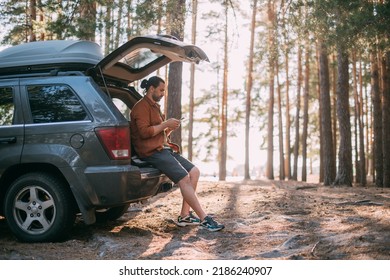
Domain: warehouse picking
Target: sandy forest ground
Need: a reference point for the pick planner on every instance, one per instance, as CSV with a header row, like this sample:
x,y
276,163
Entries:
x,y
263,219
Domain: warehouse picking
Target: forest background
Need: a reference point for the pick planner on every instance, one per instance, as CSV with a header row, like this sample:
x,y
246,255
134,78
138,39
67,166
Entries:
x,y
294,87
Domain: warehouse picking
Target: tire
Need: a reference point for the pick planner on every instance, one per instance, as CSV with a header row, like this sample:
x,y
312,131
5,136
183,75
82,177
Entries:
x,y
39,208
111,214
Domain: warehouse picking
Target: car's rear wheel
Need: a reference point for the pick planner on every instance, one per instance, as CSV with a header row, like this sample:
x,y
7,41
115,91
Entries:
x,y
39,207
111,214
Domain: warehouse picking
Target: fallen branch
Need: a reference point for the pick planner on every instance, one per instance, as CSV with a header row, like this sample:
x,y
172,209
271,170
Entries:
x,y
306,187
312,250
360,202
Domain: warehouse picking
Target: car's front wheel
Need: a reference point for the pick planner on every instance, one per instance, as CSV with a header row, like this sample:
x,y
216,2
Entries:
x,y
39,207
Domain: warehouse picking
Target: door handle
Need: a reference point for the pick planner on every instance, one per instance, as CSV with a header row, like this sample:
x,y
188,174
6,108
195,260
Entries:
x,y
7,140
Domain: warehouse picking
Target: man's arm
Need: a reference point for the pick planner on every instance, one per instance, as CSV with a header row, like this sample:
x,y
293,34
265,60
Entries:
x,y
168,125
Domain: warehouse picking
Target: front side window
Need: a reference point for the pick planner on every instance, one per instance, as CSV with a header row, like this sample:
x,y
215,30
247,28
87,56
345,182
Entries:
x,y
7,108
54,103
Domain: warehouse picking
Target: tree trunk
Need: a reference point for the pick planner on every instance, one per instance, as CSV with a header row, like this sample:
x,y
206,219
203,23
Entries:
x,y
41,18
288,120
129,23
223,141
362,148
356,118
344,173
87,20
177,11
329,168
280,125
305,112
371,136
107,28
32,17
359,142
249,90
334,109
297,113
386,118
285,34
368,108
321,138
192,82
160,15
271,63
118,31
377,114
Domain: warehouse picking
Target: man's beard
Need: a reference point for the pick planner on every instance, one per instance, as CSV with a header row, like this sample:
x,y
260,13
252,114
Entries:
x,y
156,98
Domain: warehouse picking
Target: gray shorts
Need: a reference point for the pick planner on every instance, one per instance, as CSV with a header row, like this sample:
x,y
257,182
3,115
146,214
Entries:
x,y
171,164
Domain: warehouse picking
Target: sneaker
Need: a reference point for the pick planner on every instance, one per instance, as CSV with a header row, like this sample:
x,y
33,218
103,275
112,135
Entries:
x,y
188,220
210,224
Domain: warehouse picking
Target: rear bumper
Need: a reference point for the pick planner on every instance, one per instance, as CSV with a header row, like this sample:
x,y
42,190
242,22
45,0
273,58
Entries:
x,y
116,185
149,172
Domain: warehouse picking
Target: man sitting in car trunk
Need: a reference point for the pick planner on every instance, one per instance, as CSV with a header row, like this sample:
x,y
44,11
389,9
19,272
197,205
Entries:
x,y
149,131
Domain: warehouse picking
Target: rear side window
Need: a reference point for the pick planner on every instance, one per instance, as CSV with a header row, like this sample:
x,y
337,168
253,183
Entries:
x,y
55,103
122,107
7,107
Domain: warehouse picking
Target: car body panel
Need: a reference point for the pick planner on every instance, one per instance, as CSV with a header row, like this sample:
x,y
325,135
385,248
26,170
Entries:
x,y
11,136
11,145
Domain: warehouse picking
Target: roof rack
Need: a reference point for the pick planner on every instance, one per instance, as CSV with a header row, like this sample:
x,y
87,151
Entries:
x,y
44,74
43,70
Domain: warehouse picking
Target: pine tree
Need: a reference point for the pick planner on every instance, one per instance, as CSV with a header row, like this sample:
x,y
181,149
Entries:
x,y
271,75
344,173
192,82
386,119
224,103
326,120
176,10
249,84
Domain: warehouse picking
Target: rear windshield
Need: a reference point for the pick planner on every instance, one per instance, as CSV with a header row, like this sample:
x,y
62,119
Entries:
x,y
140,58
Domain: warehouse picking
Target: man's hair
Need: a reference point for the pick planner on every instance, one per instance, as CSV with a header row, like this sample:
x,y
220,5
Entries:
x,y
153,81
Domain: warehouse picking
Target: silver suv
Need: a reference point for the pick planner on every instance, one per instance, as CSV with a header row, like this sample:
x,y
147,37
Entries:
x,y
64,132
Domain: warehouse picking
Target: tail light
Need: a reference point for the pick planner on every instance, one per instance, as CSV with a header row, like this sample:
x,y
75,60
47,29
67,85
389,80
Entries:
x,y
116,141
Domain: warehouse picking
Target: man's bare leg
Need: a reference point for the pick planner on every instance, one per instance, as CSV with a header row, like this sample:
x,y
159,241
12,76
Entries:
x,y
194,178
190,200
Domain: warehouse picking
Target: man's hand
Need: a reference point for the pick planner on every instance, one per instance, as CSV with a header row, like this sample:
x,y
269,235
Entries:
x,y
168,126
172,124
